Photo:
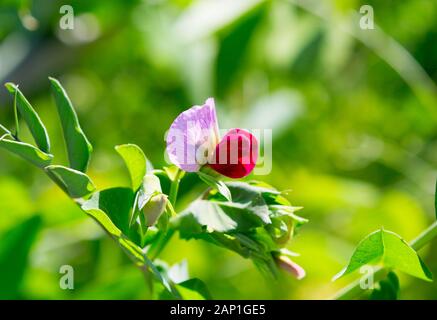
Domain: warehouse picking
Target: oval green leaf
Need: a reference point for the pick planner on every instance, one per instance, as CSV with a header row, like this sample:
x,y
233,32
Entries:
x,y
32,119
117,203
79,149
75,183
26,151
135,161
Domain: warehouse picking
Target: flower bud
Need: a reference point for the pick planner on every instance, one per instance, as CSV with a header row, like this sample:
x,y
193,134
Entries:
x,y
291,267
236,154
154,208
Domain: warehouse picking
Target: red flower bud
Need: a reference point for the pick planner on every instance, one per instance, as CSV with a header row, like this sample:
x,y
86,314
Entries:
x,y
236,154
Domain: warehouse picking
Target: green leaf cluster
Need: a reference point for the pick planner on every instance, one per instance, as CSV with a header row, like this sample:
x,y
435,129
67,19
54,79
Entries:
x,y
116,210
256,224
250,218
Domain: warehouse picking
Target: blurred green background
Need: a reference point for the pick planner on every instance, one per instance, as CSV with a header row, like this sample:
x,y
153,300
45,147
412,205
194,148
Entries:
x,y
353,113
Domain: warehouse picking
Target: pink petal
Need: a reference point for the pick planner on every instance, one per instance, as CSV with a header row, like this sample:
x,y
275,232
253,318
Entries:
x,y
192,137
291,267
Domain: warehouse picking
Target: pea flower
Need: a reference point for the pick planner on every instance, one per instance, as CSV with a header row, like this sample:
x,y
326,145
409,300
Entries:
x,y
193,141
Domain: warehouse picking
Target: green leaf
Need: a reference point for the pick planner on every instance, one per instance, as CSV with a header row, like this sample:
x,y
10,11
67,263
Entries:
x,y
192,289
79,149
14,255
204,215
151,235
103,219
75,183
388,288
256,245
248,210
188,289
249,197
116,203
389,249
216,184
32,119
169,287
26,151
135,161
210,216
245,225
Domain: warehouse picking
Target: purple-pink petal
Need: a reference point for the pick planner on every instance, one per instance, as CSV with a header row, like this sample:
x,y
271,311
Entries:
x,y
192,137
290,266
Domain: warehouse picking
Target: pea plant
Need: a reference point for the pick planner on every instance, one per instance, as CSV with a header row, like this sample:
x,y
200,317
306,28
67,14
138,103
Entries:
x,y
251,218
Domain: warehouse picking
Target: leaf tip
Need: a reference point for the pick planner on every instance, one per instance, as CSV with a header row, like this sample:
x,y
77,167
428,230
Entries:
x,y
54,81
11,87
55,84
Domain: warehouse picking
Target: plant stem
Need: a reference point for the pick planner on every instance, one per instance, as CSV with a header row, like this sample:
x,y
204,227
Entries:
x,y
17,125
354,289
426,236
161,243
5,130
165,238
174,188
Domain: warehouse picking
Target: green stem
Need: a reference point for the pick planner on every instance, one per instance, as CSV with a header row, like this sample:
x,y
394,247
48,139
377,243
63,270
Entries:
x,y
425,237
161,243
165,238
17,126
354,289
174,188
5,130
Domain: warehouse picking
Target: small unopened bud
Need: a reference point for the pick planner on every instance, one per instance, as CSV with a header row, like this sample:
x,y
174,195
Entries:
x,y
291,267
154,208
